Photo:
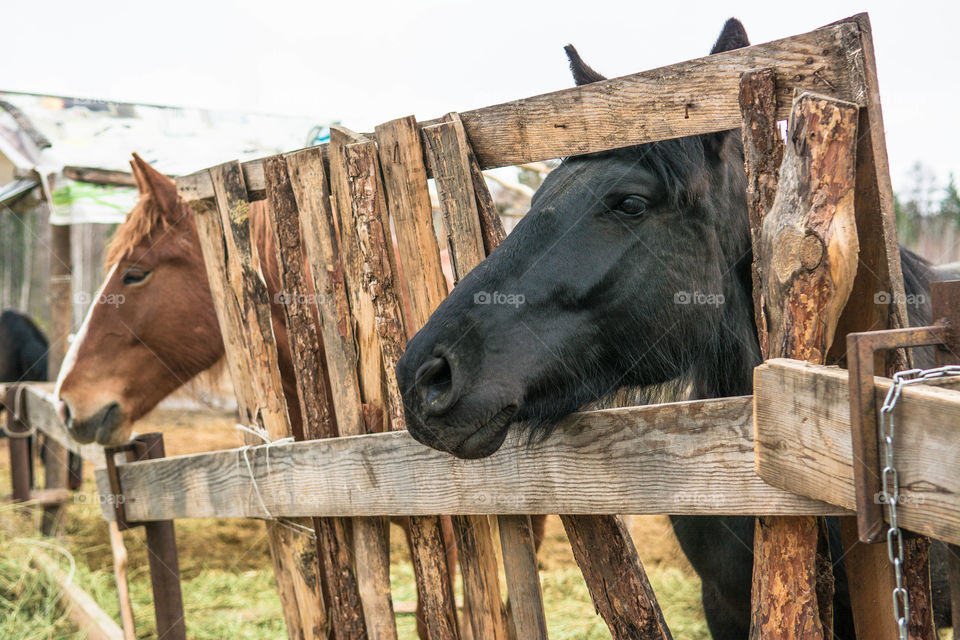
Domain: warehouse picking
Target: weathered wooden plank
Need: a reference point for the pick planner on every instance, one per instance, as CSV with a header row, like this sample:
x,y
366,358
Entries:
x,y
603,547
879,274
243,312
803,442
689,98
38,407
336,327
449,155
82,610
808,261
590,465
763,153
404,184
523,581
333,541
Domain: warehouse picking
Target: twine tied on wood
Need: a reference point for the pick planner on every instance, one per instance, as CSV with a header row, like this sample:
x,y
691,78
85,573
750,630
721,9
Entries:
x,y
260,432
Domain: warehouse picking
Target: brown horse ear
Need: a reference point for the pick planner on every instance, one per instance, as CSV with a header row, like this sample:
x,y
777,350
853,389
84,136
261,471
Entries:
x,y
158,186
141,185
582,73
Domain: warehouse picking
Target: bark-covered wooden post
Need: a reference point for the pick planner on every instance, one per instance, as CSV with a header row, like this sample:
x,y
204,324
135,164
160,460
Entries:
x,y
333,539
808,261
243,313
370,544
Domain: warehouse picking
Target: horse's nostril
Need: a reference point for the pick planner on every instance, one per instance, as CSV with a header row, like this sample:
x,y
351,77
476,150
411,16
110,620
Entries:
x,y
434,383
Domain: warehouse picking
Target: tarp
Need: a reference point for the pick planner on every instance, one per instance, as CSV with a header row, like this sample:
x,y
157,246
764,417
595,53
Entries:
x,y
101,134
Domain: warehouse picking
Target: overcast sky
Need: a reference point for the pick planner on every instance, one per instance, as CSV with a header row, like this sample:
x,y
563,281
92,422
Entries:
x,y
367,62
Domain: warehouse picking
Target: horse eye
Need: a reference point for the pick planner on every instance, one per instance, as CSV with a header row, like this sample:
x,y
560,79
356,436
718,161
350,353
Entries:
x,y
135,276
632,206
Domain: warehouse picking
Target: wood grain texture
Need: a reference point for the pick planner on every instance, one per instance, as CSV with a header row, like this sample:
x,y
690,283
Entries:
x,y
880,275
448,152
696,458
603,548
404,185
342,594
803,442
38,406
348,323
763,153
807,263
243,313
408,199
447,147
523,581
689,98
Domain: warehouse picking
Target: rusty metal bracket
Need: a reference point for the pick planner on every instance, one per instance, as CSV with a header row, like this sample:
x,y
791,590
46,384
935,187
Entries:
x,y
133,449
862,349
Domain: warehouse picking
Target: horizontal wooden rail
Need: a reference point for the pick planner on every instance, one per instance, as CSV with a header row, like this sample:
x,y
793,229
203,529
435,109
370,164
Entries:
x,y
681,458
39,411
803,442
689,98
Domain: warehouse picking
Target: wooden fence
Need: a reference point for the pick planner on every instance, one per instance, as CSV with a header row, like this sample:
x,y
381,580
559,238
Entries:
x,y
331,210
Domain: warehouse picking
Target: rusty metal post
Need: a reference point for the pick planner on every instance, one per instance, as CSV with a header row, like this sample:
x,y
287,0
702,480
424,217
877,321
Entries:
x,y
161,542
21,464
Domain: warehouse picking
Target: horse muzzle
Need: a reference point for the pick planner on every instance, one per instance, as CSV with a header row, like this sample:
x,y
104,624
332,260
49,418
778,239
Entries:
x,y
101,427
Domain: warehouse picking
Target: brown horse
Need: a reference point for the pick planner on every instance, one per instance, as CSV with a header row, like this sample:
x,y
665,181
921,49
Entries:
x,y
152,327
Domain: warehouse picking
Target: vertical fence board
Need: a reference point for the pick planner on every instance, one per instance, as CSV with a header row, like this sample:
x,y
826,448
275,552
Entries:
x,y
448,151
333,541
243,312
879,273
371,546
429,549
523,582
808,261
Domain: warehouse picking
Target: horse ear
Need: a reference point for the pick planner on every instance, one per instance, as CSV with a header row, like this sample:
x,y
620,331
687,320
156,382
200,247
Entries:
x,y
733,36
141,185
582,73
153,183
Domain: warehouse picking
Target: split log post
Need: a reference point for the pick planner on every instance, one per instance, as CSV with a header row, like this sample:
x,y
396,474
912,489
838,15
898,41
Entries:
x,y
333,539
243,312
56,458
370,534
807,262
448,151
878,301
367,206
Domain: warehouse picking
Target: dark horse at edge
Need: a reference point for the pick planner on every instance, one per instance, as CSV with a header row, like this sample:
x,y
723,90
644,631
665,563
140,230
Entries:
x,y
607,260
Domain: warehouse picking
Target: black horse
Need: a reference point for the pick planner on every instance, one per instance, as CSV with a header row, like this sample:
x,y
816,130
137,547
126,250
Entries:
x,y
632,269
23,348
23,358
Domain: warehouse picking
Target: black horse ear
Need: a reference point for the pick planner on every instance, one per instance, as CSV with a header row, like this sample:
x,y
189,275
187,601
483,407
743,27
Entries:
x,y
582,73
733,36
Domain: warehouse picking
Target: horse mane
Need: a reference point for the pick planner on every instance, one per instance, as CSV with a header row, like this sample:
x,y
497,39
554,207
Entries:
x,y
145,218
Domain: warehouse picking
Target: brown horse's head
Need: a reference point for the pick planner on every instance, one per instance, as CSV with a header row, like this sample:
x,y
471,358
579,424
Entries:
x,y
152,326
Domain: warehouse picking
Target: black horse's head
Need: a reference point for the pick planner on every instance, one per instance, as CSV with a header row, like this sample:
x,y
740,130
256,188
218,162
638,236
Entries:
x,y
631,269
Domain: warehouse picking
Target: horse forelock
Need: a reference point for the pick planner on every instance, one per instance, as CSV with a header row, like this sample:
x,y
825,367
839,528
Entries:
x,y
144,219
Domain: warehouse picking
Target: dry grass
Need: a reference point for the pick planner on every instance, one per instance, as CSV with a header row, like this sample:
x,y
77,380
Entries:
x,y
228,582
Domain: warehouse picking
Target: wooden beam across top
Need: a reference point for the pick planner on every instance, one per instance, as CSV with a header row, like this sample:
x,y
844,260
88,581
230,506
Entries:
x,y
680,458
684,99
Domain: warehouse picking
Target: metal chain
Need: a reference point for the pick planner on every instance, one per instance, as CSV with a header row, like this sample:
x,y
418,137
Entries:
x,y
890,493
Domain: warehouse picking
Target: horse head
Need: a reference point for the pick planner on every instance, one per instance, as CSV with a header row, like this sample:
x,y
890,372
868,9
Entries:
x,y
152,326
632,268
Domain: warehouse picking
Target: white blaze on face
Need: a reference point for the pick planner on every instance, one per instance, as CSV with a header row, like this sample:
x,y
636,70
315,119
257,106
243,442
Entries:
x,y
71,356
